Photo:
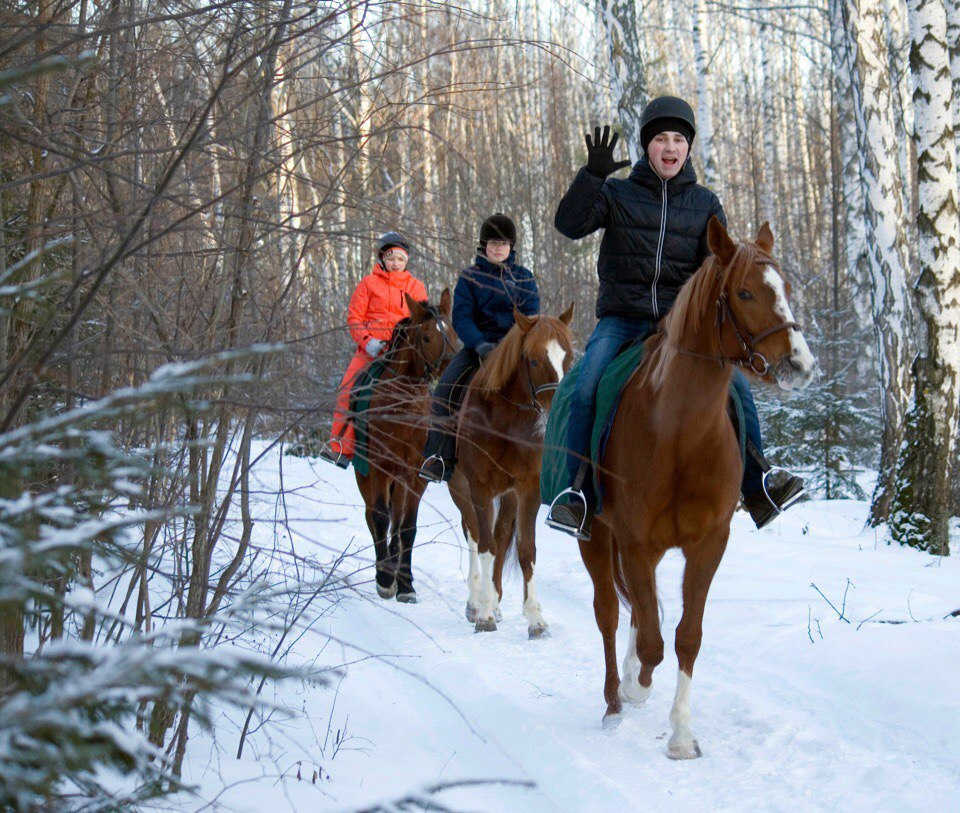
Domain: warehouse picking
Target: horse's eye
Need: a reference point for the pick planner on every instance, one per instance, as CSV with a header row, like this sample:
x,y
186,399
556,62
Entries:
x,y
745,295
534,363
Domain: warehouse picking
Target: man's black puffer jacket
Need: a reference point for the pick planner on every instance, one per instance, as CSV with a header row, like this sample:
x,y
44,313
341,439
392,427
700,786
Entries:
x,y
655,235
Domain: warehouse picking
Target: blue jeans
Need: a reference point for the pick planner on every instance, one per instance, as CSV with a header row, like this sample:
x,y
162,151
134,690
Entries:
x,y
610,334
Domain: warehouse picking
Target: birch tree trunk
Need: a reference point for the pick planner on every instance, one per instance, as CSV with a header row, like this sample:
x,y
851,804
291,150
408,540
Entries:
x,y
769,129
920,510
627,66
953,41
883,191
711,177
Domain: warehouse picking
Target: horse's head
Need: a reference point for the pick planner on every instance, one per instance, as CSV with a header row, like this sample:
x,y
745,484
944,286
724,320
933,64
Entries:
x,y
755,323
547,351
430,333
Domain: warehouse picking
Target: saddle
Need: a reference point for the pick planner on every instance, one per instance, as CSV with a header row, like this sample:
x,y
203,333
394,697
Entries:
x,y
553,474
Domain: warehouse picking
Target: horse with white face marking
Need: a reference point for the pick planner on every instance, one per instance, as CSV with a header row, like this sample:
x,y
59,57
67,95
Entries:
x,y
499,449
671,472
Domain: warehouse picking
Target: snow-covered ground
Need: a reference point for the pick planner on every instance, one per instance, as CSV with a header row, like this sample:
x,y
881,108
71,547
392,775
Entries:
x,y
794,707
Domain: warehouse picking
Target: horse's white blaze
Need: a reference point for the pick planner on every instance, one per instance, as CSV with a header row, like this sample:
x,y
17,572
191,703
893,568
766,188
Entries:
x,y
473,577
800,352
556,354
680,713
531,606
488,592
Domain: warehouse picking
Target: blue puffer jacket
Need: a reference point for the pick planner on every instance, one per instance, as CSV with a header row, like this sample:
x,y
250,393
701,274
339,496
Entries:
x,y
485,296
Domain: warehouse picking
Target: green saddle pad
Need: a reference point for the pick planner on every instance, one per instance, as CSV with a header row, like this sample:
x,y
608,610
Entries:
x,y
553,474
360,397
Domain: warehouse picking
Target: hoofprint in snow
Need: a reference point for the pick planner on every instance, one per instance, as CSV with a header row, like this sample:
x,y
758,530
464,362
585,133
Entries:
x,y
793,706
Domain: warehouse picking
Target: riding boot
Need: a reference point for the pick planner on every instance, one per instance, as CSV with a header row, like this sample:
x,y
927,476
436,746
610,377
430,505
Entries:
x,y
332,452
439,466
572,511
778,490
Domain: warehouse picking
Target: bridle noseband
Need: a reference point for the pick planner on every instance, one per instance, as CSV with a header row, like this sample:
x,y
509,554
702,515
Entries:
x,y
748,342
432,368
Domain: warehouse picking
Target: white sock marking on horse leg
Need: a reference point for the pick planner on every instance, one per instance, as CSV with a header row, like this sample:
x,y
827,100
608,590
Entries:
x,y
531,606
488,592
556,354
473,577
630,689
683,745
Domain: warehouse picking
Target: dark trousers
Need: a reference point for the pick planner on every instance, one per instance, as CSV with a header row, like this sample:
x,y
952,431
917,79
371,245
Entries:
x,y
447,398
602,347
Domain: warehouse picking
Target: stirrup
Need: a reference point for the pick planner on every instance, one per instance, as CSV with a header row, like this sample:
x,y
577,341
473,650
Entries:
x,y
780,508
443,470
338,458
579,533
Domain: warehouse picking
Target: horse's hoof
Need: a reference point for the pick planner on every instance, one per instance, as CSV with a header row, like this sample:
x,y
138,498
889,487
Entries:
x,y
611,722
409,597
538,631
472,613
684,750
485,625
387,592
631,691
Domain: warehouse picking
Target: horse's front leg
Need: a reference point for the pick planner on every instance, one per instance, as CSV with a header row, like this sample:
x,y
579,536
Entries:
x,y
487,552
378,521
459,491
527,554
702,562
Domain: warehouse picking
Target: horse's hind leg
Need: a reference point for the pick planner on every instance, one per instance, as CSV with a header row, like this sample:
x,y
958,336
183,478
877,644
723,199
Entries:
x,y
702,563
504,528
597,555
459,491
529,502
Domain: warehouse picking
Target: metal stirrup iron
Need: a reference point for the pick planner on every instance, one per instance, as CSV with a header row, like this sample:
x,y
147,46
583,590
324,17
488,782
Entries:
x,y
559,525
443,469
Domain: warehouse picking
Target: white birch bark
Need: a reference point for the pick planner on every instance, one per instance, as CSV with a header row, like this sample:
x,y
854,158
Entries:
x,y
921,503
953,41
704,97
627,66
769,129
883,191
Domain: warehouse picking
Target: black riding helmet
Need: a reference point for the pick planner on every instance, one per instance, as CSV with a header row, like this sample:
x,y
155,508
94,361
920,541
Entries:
x,y
667,113
391,239
498,227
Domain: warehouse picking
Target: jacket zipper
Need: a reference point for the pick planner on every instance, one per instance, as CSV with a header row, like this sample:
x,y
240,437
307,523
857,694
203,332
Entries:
x,y
663,231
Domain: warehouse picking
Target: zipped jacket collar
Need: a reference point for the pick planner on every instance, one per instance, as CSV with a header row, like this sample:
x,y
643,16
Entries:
x,y
644,175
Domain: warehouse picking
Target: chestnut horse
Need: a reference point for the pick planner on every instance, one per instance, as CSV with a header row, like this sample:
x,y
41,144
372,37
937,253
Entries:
x,y
397,420
500,434
679,486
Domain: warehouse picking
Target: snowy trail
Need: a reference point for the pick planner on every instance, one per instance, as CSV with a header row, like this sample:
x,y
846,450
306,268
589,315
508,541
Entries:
x,y
866,716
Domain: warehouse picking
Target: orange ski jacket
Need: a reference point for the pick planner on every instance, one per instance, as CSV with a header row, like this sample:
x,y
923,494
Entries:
x,y
377,304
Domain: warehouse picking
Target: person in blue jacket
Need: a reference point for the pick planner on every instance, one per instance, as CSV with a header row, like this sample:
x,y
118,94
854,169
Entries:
x,y
483,303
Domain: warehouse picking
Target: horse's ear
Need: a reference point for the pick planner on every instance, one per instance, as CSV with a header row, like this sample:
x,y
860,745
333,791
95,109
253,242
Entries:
x,y
417,311
722,247
765,237
567,316
446,302
523,320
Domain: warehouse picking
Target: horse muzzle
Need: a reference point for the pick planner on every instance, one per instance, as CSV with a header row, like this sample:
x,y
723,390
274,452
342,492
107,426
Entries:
x,y
794,372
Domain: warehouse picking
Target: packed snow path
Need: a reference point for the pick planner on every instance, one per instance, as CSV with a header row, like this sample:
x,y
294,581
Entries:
x,y
793,707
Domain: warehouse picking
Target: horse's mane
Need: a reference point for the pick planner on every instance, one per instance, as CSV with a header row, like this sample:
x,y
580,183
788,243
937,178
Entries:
x,y
499,367
697,299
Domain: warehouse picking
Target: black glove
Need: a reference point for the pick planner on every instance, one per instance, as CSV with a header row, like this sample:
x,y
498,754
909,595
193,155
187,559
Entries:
x,y
600,161
484,349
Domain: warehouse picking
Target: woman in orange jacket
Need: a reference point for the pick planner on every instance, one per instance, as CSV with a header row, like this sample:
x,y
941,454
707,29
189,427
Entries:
x,y
375,308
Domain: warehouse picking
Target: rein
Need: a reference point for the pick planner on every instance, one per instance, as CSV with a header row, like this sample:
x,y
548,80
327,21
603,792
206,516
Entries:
x,y
432,368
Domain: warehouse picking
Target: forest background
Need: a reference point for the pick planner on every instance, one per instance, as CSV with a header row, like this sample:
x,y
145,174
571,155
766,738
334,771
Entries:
x,y
190,191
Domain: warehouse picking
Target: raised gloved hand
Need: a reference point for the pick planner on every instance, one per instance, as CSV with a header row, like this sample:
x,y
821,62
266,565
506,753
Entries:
x,y
484,349
373,347
600,161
